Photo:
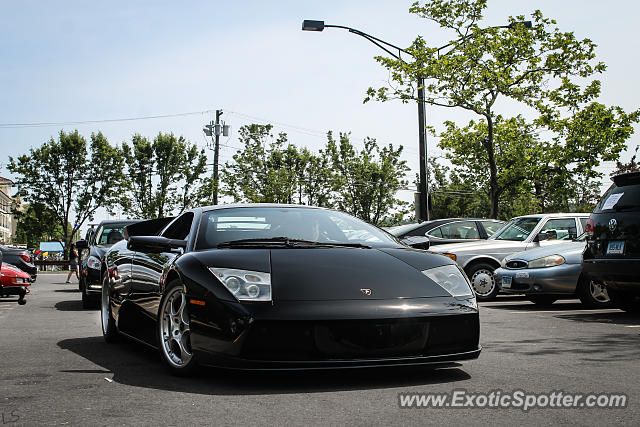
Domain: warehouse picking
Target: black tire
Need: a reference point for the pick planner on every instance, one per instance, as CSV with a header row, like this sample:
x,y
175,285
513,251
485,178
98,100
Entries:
x,y
542,300
89,302
483,281
109,329
173,321
624,301
592,294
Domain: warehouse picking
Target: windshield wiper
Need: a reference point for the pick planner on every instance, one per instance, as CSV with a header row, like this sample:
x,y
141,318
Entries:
x,y
287,242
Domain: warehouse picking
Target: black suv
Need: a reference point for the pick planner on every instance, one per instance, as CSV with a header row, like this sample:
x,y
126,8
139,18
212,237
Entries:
x,y
612,254
93,248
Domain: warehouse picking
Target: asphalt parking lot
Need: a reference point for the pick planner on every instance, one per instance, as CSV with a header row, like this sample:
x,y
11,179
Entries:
x,y
55,369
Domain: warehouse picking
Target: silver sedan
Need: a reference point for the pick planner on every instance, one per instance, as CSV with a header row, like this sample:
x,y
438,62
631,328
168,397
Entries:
x,y
545,274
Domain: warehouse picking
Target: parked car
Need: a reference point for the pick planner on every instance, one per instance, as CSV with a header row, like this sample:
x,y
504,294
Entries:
x,y
285,287
480,259
21,258
14,281
98,241
552,272
612,254
448,230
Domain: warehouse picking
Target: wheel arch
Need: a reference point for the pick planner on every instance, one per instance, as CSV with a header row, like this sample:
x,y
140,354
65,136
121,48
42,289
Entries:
x,y
481,260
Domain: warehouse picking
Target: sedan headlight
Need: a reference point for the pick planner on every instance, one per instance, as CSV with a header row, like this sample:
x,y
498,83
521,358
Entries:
x,y
93,262
245,285
548,261
451,278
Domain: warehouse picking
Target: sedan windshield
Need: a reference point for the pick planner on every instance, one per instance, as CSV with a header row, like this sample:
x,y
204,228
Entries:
x,y
110,234
273,226
518,229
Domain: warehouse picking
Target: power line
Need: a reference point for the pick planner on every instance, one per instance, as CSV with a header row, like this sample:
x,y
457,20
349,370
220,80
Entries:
x,y
82,122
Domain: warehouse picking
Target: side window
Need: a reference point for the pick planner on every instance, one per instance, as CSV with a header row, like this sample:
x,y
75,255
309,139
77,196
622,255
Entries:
x,y
491,227
458,230
436,232
565,228
180,228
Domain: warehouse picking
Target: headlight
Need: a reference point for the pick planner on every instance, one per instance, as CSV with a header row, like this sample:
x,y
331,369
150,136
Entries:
x,y
245,285
451,278
93,262
548,261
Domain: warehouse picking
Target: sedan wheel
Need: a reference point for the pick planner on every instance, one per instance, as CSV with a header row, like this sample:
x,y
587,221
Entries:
x,y
483,282
173,330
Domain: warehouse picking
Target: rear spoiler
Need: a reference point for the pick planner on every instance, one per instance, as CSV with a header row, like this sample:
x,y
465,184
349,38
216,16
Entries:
x,y
150,227
626,178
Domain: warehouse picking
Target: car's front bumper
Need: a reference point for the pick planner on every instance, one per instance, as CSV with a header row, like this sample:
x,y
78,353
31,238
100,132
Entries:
x,y
618,274
92,280
336,334
561,279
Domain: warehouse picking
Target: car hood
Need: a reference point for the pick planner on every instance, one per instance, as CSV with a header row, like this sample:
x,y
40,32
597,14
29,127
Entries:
x,y
324,274
571,251
99,250
477,246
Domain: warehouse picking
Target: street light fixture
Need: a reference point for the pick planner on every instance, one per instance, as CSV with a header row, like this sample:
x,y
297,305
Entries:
x,y
423,186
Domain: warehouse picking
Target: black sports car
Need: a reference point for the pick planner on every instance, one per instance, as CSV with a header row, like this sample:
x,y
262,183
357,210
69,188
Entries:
x,y
284,287
93,248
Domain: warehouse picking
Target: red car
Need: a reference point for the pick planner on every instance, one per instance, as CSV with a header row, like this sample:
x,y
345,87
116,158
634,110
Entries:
x,y
14,281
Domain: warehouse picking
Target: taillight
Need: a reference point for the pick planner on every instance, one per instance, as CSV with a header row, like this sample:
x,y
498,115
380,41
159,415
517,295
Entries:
x,y
25,257
590,227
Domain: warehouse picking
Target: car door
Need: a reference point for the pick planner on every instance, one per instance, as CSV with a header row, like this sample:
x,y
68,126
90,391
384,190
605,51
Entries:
x,y
148,268
563,229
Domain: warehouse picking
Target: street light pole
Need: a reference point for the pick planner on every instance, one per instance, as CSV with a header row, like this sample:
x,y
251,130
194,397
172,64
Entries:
x,y
423,186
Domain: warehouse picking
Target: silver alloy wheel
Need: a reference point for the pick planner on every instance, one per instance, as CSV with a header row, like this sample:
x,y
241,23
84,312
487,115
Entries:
x,y
483,282
598,292
174,328
104,307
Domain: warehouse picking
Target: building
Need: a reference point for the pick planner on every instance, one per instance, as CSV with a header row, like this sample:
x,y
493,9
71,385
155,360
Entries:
x,y
7,225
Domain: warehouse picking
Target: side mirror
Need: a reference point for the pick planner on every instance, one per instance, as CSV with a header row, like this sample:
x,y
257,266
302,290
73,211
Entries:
x,y
418,242
548,235
82,244
154,244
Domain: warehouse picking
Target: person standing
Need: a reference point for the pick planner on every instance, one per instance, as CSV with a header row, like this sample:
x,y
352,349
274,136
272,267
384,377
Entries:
x,y
73,263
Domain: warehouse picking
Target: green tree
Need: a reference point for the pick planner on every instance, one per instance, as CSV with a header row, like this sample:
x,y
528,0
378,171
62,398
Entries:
x,y
367,181
163,175
541,67
269,169
37,223
70,179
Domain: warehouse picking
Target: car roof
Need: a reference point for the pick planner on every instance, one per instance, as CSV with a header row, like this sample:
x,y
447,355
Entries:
x,y
119,221
257,205
559,214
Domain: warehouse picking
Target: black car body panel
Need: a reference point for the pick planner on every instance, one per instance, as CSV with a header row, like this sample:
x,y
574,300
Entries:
x,y
320,315
99,243
12,256
616,225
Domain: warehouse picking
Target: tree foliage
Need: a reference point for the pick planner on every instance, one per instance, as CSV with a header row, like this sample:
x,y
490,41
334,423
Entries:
x,y
37,223
551,72
163,175
269,169
70,179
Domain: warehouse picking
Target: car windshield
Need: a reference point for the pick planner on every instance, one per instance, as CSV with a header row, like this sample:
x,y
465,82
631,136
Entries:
x,y
110,233
221,226
400,230
518,229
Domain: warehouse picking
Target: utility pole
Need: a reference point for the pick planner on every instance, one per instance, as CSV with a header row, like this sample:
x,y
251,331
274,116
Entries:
x,y
423,190
214,130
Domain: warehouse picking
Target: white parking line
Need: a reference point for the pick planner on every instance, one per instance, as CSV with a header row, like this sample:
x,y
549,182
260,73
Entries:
x,y
633,326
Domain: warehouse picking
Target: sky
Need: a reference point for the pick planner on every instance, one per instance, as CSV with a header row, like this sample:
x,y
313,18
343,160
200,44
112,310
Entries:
x,y
74,61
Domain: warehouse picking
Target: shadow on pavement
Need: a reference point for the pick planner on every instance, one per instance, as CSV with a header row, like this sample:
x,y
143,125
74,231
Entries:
x,y
137,365
71,305
529,306
616,318
67,290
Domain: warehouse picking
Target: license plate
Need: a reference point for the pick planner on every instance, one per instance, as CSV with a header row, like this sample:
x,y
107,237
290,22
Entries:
x,y
615,247
506,281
